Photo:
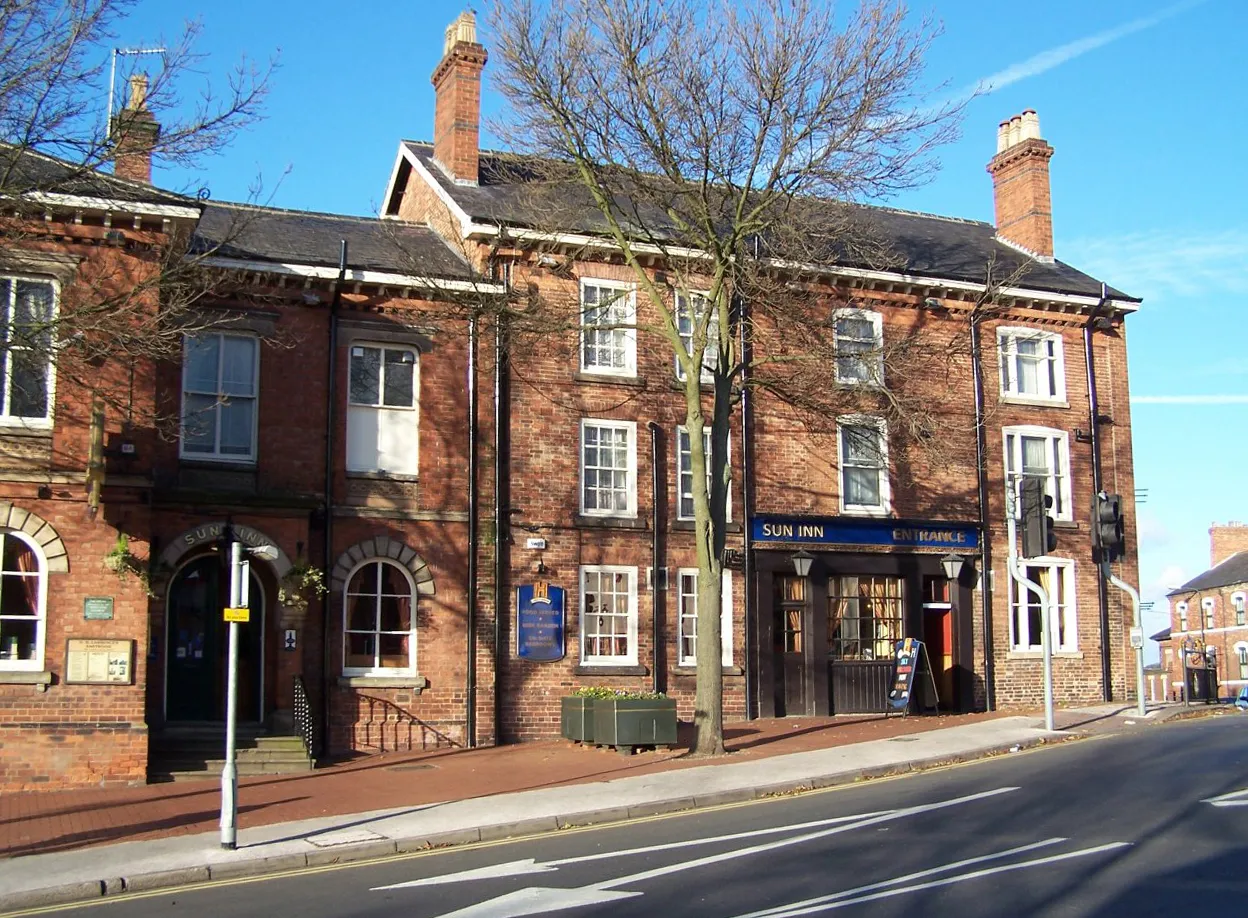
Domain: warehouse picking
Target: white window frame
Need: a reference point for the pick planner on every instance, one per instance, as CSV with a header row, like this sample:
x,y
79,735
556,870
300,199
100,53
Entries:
x,y
377,671
216,455
684,463
885,504
1241,657
1007,347
630,512
629,343
35,664
6,380
1238,599
1207,608
1063,622
630,657
409,413
873,359
1056,483
687,611
1180,609
684,317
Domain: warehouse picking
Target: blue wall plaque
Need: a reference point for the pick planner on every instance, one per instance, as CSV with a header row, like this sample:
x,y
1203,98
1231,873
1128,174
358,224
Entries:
x,y
886,533
539,622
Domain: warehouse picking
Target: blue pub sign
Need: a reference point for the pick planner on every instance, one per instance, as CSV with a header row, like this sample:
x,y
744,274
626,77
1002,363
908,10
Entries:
x,y
866,532
539,622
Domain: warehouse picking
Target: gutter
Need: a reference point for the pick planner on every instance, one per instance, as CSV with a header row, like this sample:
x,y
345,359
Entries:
x,y
502,521
658,590
747,466
470,688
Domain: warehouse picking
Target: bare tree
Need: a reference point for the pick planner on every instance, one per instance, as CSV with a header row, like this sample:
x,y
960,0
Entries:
x,y
57,145
732,144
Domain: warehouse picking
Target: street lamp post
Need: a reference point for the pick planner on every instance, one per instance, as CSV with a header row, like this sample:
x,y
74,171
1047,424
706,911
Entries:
x,y
240,571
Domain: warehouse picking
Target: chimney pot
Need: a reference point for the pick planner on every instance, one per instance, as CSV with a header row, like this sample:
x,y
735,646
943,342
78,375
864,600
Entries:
x,y
135,132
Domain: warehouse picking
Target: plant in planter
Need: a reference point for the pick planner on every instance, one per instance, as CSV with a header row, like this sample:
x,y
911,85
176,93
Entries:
x,y
125,563
576,714
627,720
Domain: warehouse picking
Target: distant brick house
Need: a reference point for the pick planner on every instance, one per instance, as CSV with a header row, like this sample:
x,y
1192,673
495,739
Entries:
x,y
1209,617
354,419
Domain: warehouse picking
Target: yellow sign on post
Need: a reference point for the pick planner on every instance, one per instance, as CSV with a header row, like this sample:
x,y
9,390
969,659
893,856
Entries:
x,y
238,615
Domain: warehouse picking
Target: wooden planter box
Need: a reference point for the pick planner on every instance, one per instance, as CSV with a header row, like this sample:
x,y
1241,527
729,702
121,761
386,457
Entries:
x,y
625,722
576,718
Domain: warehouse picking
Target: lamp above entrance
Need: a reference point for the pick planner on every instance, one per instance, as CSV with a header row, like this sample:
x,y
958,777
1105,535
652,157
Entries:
x,y
802,561
952,565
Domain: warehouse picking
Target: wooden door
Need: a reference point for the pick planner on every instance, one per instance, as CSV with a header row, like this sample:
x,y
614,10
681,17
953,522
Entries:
x,y
790,637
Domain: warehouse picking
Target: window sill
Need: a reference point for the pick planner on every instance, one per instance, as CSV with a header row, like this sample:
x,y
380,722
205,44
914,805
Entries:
x,y
609,522
595,669
874,512
40,680
688,526
1034,401
693,671
12,427
609,379
383,476
1065,524
1039,655
227,465
415,683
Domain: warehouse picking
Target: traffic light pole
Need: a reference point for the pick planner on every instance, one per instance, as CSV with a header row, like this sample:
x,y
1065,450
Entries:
x,y
229,774
1135,624
1046,643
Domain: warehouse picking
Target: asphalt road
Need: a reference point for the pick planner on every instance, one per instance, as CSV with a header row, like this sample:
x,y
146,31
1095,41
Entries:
x,y
1149,823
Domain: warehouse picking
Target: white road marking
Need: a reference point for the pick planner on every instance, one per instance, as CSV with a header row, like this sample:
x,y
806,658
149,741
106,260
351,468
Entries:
x,y
530,865
1234,798
536,900
948,881
777,910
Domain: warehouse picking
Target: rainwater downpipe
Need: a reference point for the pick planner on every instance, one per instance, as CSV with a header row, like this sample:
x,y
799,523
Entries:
x,y
502,522
470,715
658,585
1094,412
747,466
985,540
331,380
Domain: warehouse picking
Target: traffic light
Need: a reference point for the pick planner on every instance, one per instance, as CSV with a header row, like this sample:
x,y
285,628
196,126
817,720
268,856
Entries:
x,y
1038,535
1108,537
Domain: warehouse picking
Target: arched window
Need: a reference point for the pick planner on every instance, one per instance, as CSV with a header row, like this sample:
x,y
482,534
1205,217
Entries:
x,y
379,621
1181,609
1207,607
23,602
1237,603
1241,651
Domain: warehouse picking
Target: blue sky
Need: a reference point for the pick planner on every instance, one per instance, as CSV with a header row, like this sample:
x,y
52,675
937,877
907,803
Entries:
x,y
1138,97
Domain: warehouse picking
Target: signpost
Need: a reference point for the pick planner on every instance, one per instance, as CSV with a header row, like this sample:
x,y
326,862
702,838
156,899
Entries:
x,y
910,654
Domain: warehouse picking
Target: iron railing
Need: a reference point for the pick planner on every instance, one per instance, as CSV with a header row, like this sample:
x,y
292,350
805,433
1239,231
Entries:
x,y
305,722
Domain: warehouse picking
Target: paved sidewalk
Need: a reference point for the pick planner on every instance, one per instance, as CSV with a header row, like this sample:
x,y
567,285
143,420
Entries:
x,y
67,846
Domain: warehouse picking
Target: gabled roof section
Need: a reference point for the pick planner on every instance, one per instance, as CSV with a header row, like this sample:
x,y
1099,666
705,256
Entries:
x,y
1232,571
916,244
29,173
284,238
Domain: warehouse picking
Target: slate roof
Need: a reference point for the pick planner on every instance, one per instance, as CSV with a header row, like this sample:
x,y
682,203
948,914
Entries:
x,y
1162,635
1230,572
923,244
307,238
25,171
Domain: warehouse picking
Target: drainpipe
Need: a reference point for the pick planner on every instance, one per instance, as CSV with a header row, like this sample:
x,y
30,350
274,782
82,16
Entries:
x,y
1102,597
658,591
985,541
502,528
330,399
470,716
747,465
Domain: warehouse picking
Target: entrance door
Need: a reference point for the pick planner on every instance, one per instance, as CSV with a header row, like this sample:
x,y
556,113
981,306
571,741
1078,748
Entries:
x,y
198,646
938,637
789,636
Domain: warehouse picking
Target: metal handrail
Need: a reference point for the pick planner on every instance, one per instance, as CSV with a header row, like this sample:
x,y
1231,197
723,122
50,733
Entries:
x,y
305,722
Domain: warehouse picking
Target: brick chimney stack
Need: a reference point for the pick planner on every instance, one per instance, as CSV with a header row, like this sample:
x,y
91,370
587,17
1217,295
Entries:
x,y
1020,185
457,115
1226,540
135,132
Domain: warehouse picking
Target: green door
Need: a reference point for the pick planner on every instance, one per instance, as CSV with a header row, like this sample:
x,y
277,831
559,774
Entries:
x,y
198,645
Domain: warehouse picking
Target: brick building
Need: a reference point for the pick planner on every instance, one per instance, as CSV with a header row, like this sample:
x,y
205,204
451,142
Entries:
x,y
1208,618
343,411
